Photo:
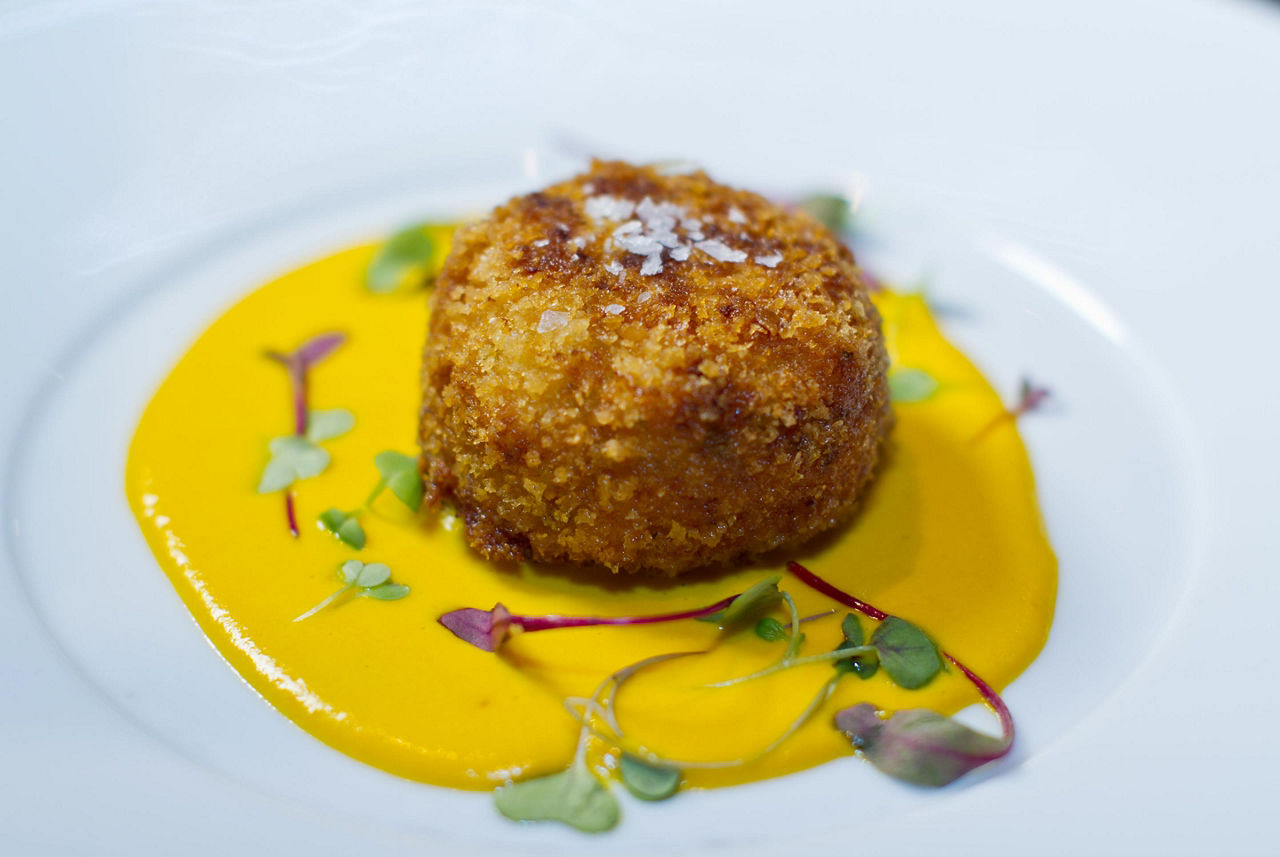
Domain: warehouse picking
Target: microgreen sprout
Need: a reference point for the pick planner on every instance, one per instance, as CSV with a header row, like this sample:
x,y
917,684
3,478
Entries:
x,y
771,630
409,256
908,386
372,580
832,210
1030,398
916,745
396,471
489,629
298,456
295,457
574,796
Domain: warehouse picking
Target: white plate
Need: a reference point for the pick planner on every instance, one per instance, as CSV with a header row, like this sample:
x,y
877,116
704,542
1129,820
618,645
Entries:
x,y
1092,187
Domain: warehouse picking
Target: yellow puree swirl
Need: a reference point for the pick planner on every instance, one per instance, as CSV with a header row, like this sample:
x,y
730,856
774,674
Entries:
x,y
950,538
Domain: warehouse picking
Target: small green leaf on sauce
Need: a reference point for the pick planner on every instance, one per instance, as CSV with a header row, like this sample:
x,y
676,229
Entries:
x,y
328,424
370,580
400,473
573,797
907,386
771,629
646,781
761,596
864,664
292,458
405,257
907,654
345,526
387,592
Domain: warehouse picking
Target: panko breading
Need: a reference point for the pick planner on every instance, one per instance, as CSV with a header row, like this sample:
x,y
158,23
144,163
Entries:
x,y
650,372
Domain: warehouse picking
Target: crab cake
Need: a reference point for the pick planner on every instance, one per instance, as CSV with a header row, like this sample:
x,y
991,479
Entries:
x,y
650,372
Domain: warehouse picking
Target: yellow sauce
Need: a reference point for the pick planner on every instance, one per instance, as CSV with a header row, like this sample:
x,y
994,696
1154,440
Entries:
x,y
950,538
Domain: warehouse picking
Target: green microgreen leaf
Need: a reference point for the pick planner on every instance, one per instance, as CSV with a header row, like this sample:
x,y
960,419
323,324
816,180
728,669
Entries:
x,y
386,592
646,781
328,424
865,664
373,574
755,599
907,654
368,580
400,473
573,797
345,526
832,210
404,257
919,746
771,629
907,386
350,571
292,458
852,630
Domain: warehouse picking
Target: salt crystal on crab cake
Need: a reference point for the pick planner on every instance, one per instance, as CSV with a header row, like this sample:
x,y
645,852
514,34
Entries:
x,y
650,372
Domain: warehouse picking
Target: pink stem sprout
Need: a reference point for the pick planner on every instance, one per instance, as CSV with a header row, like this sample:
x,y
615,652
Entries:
x,y
987,692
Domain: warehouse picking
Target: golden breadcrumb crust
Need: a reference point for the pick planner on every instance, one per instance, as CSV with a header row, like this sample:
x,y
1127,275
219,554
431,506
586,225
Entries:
x,y
576,409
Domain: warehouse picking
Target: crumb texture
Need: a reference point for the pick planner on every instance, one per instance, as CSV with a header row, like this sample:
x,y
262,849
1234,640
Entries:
x,y
649,372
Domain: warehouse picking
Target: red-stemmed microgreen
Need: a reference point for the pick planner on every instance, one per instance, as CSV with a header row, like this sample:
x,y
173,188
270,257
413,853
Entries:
x,y
396,471
407,257
298,456
297,363
372,580
489,629
1030,398
916,745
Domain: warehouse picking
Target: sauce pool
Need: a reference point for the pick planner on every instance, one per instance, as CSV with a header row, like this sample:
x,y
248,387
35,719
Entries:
x,y
949,537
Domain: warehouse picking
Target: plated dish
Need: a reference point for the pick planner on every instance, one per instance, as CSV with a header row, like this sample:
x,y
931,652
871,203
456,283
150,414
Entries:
x,y
326,358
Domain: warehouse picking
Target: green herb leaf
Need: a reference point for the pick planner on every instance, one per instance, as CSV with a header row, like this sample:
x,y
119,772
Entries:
x,y
350,571
852,630
863,664
345,526
755,599
400,472
368,580
646,781
373,574
387,592
574,797
771,629
907,386
908,655
917,745
292,458
831,210
405,256
328,424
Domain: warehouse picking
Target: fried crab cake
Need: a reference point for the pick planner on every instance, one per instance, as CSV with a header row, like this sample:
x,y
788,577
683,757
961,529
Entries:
x,y
646,371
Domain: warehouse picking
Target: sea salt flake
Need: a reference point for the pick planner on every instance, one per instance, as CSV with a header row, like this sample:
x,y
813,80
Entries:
x,y
720,251
641,245
607,207
736,215
542,242
614,309
614,268
644,297
652,264
552,319
681,252
769,261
